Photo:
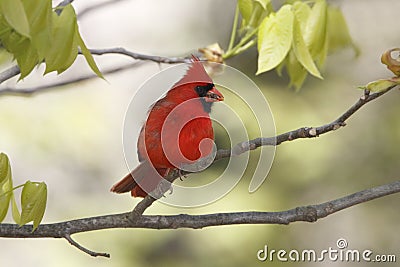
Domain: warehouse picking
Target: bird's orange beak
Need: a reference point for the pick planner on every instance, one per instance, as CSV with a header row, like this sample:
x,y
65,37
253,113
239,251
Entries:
x,y
214,95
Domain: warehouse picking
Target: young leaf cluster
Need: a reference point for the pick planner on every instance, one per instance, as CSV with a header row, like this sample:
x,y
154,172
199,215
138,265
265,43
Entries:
x,y
297,37
33,33
33,197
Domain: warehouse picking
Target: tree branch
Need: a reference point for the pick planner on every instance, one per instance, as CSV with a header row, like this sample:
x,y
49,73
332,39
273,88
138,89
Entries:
x,y
309,213
304,132
43,88
14,70
123,51
9,73
91,8
87,251
63,3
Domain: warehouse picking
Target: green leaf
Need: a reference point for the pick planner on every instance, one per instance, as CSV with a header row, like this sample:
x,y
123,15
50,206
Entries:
x,y
33,203
264,3
301,51
5,28
15,15
320,58
20,47
381,85
5,195
89,58
280,67
258,14
338,31
245,8
72,56
5,170
39,13
15,212
315,33
5,57
14,42
27,59
296,71
63,34
22,50
302,12
275,38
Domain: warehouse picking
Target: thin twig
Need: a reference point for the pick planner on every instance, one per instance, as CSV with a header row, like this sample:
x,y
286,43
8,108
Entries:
x,y
304,132
9,73
63,3
14,70
91,8
87,251
309,213
123,51
43,88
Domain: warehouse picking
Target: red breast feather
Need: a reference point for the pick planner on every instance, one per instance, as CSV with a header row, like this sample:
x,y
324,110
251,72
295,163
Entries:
x,y
178,116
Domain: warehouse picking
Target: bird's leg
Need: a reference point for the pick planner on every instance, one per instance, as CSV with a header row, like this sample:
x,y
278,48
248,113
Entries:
x,y
181,174
171,189
176,171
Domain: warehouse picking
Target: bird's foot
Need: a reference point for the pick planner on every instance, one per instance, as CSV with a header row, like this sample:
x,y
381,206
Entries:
x,y
181,174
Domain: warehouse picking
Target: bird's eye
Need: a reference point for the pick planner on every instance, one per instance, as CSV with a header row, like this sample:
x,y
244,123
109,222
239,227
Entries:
x,y
202,90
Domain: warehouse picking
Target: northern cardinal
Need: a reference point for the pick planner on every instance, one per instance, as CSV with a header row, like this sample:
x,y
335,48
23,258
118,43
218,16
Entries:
x,y
178,131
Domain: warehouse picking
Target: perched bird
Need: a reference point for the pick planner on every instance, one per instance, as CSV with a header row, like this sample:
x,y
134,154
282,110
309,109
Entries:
x,y
178,131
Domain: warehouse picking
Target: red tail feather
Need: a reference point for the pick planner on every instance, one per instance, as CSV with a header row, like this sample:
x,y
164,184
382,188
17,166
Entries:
x,y
146,180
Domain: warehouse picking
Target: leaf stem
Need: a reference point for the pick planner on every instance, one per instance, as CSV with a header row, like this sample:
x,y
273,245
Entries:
x,y
245,47
242,45
234,28
11,190
18,186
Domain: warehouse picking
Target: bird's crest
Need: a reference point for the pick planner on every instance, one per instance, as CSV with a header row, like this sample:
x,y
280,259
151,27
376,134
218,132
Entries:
x,y
195,73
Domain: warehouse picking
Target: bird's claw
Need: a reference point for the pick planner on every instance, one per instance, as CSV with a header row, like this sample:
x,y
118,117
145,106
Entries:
x,y
181,174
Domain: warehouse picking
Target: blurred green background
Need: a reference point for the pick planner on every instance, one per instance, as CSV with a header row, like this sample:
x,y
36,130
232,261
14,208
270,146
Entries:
x,y
71,138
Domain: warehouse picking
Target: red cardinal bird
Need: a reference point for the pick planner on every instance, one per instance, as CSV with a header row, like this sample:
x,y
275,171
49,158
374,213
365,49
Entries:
x,y
178,131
